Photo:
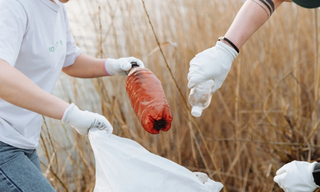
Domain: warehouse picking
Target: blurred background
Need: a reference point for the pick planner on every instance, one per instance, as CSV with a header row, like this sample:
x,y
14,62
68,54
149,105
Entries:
x,y
265,115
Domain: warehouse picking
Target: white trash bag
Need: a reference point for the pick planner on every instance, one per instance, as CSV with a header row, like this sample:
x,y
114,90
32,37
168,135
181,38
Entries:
x,y
122,165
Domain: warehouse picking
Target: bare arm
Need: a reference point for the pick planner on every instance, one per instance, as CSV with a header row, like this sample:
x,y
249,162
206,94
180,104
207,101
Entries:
x,y
86,67
214,63
19,90
252,15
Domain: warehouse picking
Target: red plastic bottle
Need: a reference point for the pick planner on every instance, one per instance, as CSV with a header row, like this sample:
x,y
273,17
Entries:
x,y
148,100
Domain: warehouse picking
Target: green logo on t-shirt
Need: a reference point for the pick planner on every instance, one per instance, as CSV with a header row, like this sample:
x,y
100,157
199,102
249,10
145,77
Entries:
x,y
53,48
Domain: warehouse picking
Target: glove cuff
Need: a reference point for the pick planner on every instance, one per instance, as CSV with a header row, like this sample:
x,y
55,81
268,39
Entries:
x,y
316,173
233,53
108,67
230,42
67,112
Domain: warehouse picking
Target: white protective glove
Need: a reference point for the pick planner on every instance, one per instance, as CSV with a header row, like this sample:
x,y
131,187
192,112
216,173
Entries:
x,y
213,63
82,121
121,66
296,176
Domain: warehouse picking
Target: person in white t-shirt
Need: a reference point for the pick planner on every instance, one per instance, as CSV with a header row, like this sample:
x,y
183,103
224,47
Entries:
x,y
35,46
214,63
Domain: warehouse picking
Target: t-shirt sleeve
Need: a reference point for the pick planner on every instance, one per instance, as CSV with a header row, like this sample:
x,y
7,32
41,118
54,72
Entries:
x,y
73,51
13,25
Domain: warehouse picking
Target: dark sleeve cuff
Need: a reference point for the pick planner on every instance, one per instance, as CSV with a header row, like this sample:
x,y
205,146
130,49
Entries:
x,y
316,174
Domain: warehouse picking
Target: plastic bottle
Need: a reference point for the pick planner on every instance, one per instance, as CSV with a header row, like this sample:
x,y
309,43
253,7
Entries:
x,y
148,100
200,97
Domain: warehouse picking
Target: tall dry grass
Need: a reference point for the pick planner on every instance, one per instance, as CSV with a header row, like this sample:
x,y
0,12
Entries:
x,y
265,115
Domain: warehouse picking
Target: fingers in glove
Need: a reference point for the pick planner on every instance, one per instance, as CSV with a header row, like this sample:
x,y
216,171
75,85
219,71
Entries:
x,y
285,167
194,61
280,176
108,129
192,82
195,79
193,67
103,124
281,171
126,66
279,179
216,86
191,74
138,61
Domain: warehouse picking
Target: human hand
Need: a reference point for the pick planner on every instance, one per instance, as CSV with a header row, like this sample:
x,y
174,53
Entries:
x,y
121,66
213,63
296,176
82,121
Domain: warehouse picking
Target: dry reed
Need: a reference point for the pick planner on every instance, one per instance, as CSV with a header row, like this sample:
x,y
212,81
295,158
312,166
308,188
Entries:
x,y
265,114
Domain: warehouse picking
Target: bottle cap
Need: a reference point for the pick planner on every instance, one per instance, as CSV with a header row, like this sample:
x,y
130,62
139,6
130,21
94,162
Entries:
x,y
196,111
134,68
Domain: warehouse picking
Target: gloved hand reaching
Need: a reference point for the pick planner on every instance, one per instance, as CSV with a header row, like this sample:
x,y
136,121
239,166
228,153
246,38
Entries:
x,y
121,66
82,121
296,176
213,63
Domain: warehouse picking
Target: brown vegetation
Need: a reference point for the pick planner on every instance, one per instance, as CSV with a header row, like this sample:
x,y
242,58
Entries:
x,y
265,115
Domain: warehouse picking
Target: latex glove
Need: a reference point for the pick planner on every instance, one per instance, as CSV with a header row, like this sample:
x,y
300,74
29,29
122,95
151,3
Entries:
x,y
213,63
202,177
121,66
82,121
296,176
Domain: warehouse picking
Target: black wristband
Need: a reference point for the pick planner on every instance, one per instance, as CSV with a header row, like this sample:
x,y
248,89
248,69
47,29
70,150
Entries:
x,y
227,40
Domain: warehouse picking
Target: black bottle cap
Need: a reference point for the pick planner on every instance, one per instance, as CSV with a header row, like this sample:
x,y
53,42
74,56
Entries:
x,y
134,64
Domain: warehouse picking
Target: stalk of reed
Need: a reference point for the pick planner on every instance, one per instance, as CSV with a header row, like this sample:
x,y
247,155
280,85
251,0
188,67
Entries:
x,y
264,116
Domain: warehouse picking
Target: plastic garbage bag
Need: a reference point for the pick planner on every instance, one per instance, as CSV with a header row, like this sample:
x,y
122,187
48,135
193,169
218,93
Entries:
x,y
122,165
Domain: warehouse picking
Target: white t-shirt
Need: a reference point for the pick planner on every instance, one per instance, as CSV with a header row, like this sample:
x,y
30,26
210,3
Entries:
x,y
35,38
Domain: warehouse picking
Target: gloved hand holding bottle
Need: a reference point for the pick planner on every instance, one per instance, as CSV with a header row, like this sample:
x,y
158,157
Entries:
x,y
213,63
82,121
121,66
207,72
